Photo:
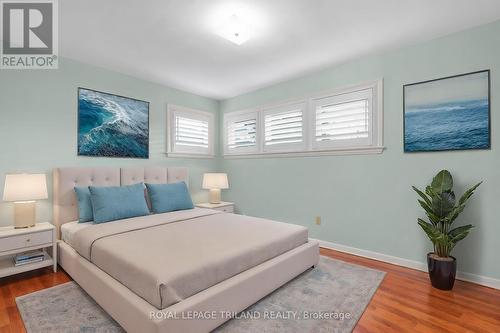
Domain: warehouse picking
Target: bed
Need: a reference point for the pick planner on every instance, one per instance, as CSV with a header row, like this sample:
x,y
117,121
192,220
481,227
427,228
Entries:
x,y
156,273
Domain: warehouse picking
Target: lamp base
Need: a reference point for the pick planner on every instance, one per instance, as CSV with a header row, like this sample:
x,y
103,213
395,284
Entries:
x,y
24,214
215,196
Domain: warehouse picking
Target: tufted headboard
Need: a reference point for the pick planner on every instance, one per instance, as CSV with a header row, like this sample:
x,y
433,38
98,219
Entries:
x,y
65,179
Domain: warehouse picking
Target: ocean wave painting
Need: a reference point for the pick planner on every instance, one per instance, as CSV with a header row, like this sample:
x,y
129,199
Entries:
x,y
448,114
111,125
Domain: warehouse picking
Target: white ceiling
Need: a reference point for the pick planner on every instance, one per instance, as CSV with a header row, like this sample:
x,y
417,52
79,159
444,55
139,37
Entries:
x,y
172,41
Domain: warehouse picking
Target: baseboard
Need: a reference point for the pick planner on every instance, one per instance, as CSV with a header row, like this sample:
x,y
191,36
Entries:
x,y
421,266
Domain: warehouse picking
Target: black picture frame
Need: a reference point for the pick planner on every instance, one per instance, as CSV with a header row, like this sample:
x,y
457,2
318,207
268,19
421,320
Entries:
x,y
446,78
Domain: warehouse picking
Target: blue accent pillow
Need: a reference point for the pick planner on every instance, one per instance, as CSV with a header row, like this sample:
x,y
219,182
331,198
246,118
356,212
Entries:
x,y
118,202
169,197
84,204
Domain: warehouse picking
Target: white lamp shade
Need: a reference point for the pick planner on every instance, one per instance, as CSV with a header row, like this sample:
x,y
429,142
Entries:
x,y
215,181
25,187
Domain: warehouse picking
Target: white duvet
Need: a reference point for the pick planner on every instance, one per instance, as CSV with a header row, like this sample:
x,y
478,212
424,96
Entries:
x,y
166,258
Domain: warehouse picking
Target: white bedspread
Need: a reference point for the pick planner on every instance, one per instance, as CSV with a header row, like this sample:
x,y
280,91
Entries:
x,y
166,258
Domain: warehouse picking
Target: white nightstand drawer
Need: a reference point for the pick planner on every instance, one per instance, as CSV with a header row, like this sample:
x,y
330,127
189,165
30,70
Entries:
x,y
25,240
226,209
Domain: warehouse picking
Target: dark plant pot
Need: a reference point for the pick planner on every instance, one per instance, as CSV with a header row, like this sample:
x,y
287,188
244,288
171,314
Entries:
x,y
442,272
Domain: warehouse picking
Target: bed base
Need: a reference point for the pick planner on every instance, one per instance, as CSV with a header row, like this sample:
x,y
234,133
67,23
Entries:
x,y
232,295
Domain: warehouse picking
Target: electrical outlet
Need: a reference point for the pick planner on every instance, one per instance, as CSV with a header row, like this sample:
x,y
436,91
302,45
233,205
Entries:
x,y
318,220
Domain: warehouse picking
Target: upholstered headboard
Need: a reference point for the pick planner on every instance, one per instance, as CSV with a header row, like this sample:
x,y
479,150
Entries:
x,y
65,179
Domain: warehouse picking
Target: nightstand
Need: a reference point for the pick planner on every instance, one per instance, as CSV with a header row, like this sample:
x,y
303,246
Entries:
x,y
15,241
226,207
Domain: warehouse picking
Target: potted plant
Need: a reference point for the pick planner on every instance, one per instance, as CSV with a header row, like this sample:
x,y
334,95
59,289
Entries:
x,y
442,209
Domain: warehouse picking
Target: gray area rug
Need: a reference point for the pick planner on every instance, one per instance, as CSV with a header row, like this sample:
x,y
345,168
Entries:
x,y
65,308
328,298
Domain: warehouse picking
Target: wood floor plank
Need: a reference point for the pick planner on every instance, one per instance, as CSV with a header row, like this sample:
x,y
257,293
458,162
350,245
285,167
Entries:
x,y
404,302
4,318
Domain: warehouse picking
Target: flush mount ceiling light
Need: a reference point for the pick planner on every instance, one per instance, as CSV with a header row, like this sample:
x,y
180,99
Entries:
x,y
235,30
238,21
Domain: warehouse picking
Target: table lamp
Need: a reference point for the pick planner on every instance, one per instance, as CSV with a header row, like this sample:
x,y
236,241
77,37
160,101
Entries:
x,y
23,190
215,182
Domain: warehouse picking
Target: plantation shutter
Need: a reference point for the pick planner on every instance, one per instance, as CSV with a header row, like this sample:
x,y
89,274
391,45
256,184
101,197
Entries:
x,y
191,132
241,132
343,119
283,127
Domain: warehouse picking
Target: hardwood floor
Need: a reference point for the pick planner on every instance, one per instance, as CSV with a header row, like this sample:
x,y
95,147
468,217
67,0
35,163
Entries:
x,y
404,302
22,284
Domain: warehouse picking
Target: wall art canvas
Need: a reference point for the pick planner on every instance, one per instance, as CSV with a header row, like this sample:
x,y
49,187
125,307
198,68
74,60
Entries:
x,y
111,125
452,113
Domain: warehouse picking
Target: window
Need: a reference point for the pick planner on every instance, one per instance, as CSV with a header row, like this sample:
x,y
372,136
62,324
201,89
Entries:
x,y
347,121
284,128
241,133
191,131
343,120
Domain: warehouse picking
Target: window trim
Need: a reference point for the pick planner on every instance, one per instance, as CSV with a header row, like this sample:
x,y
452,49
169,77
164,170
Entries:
x,y
172,149
312,153
310,149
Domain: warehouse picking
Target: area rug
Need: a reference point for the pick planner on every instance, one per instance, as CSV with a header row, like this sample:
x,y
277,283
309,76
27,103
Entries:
x,y
328,298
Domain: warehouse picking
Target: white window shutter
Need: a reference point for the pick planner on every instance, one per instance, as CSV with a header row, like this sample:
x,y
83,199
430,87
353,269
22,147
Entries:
x,y
191,131
284,127
343,120
241,133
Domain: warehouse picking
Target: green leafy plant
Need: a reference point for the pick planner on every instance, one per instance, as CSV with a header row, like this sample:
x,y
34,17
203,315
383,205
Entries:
x,y
442,209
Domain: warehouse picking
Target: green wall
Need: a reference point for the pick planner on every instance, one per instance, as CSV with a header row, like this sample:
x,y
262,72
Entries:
x,y
366,201
38,119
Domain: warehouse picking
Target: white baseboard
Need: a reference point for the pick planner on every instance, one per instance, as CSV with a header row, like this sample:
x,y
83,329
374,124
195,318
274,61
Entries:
x,y
421,266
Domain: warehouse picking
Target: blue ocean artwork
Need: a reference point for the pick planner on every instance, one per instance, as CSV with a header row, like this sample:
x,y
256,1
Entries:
x,y
448,114
112,126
